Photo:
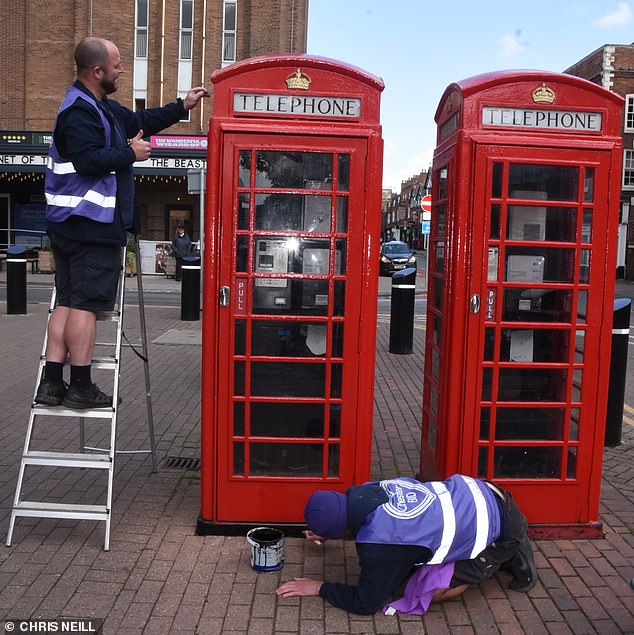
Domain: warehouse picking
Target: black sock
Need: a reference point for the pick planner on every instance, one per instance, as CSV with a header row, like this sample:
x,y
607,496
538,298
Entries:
x,y
80,376
53,371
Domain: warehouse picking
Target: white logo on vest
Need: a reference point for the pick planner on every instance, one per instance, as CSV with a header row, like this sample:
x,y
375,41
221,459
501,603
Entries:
x,y
408,499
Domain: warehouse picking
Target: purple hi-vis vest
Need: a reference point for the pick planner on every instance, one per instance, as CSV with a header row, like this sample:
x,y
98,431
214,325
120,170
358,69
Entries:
x,y
456,519
71,194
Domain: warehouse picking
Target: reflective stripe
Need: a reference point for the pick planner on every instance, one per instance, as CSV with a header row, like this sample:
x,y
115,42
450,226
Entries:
x,y
482,517
63,200
449,522
403,286
620,331
60,168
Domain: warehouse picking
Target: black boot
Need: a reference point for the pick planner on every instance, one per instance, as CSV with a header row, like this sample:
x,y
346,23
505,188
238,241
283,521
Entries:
x,y
522,567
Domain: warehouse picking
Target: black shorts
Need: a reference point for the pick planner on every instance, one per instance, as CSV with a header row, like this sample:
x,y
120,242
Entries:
x,y
86,275
496,554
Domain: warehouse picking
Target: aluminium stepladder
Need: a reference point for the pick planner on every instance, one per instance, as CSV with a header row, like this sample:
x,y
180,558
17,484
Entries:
x,y
89,457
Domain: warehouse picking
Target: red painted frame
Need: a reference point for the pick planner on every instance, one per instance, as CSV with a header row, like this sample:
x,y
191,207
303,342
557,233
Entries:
x,y
225,498
454,343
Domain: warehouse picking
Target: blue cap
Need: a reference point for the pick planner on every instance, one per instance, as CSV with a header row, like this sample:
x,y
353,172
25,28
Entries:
x,y
326,514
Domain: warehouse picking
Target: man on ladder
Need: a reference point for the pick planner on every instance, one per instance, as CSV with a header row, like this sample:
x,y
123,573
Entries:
x,y
90,208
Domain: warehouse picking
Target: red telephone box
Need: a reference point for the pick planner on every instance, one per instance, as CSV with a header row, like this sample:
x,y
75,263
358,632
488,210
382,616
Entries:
x,y
525,189
290,286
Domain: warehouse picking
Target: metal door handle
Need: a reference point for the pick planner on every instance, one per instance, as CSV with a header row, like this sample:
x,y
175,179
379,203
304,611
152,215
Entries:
x,y
223,296
474,303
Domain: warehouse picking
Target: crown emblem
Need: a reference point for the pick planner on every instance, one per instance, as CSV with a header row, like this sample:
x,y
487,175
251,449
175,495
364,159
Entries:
x,y
543,95
298,80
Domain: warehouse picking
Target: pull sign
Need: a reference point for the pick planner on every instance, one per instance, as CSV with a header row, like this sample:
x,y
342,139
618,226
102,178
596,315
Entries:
x,y
475,303
240,294
223,296
490,311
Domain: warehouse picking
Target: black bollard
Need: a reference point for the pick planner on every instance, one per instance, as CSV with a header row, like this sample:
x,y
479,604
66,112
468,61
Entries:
x,y
618,369
16,280
402,312
190,289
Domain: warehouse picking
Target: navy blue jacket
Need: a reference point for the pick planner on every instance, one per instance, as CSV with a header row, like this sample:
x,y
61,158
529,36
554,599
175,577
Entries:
x,y
79,137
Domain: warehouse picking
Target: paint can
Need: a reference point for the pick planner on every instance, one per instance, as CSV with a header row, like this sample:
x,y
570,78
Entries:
x,y
267,549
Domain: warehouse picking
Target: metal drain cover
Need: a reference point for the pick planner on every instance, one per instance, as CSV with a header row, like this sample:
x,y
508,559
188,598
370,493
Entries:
x,y
181,463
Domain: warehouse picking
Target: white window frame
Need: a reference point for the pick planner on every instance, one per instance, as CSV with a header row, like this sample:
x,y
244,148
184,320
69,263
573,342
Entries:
x,y
186,34
141,32
629,113
229,35
628,169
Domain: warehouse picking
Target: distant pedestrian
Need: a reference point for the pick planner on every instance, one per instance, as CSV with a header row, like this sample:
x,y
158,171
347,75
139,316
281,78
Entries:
x,y
446,535
181,247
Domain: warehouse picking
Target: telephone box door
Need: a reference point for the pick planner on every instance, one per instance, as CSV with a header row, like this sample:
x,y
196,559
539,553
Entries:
x,y
539,262
290,318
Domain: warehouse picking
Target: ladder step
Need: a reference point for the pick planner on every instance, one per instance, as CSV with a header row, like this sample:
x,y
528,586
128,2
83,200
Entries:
x,y
58,411
107,362
68,459
108,316
61,510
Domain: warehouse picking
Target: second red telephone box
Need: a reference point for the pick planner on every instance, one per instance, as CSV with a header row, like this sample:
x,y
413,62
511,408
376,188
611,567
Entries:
x,y
525,188
290,286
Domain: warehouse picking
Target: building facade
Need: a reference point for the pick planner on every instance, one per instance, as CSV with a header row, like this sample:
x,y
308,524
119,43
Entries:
x,y
166,47
612,66
402,212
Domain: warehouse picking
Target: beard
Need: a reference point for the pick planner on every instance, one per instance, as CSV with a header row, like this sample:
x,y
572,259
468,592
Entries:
x,y
108,85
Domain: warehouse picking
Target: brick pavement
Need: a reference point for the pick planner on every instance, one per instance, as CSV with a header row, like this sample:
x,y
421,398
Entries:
x,y
161,578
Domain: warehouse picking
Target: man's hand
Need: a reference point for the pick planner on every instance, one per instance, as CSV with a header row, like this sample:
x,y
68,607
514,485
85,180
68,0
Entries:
x,y
194,96
140,148
299,586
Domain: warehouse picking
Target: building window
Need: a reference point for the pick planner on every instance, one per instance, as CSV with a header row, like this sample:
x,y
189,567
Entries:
x,y
628,169
187,28
139,104
629,113
229,26
141,28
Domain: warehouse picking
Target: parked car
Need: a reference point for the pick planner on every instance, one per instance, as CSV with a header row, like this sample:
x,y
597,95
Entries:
x,y
395,255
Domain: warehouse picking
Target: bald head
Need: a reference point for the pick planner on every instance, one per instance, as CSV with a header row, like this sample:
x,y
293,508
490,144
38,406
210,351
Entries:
x,y
91,51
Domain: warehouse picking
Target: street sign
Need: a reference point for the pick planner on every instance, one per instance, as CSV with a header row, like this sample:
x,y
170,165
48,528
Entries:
x,y
426,203
426,216
425,227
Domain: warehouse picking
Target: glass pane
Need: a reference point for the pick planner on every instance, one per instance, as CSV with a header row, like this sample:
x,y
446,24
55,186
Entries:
x,y
242,253
440,257
442,184
586,226
556,224
340,256
530,423
342,214
437,295
495,222
281,419
580,344
532,384
240,338
243,210
292,212
339,305
543,182
141,10
571,469
344,172
496,181
238,378
187,14
230,16
577,383
537,305
335,421
492,265
574,424
238,459
588,186
485,423
285,459
333,460
238,418
489,344
483,455
244,170
534,345
584,266
487,383
272,295
303,170
539,264
275,338
441,219
582,303
527,462
337,339
288,379
435,364
433,403
436,333
336,374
